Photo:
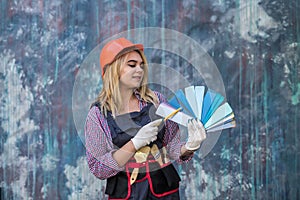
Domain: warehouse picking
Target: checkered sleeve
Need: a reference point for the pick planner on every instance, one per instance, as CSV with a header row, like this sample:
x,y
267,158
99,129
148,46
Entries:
x,y
172,139
99,146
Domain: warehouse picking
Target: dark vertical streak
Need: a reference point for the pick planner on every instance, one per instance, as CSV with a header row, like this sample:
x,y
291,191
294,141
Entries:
x,y
252,141
266,121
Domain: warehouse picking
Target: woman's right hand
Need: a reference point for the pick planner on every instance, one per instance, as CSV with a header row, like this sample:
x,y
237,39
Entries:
x,y
146,134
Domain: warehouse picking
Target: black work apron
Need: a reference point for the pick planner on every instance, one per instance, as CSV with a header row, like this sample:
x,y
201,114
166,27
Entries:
x,y
162,183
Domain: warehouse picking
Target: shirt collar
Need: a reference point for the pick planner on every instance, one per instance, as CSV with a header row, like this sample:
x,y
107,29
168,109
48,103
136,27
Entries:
x,y
137,94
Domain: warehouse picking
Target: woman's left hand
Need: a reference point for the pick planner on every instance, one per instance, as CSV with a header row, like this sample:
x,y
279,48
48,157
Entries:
x,y
196,134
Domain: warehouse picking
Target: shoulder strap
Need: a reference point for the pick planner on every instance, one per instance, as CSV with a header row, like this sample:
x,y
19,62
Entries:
x,y
97,104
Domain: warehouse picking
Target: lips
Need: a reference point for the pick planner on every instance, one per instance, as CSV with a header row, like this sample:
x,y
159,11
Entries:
x,y
137,77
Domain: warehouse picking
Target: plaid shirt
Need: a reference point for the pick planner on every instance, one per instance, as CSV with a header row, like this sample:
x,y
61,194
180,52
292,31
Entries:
x,y
99,146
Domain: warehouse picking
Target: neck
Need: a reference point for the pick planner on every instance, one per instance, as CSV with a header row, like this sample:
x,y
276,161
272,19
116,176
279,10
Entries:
x,y
126,96
130,102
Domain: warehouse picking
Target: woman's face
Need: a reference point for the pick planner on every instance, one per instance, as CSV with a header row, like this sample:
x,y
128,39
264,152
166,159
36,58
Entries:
x,y
132,71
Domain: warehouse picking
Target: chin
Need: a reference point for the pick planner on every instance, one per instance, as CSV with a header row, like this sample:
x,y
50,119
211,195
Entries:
x,y
137,86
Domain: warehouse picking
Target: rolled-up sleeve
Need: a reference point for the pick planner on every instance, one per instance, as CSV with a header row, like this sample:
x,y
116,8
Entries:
x,y
99,146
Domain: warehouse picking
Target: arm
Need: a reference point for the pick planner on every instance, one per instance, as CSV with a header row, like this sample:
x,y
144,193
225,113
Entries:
x,y
105,161
99,146
123,154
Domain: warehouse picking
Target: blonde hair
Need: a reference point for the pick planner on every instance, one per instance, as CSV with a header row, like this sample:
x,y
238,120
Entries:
x,y
110,97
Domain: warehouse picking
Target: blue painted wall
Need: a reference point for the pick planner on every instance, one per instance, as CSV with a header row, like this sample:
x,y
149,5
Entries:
x,y
255,44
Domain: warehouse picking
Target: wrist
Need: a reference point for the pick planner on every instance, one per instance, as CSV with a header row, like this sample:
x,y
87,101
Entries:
x,y
134,144
184,148
189,148
185,153
192,145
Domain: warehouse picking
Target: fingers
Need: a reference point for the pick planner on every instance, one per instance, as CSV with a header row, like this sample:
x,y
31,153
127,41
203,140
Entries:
x,y
190,125
196,129
156,123
153,130
153,138
197,123
200,128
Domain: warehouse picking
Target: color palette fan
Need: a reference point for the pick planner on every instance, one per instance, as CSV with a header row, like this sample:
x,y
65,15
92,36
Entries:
x,y
195,102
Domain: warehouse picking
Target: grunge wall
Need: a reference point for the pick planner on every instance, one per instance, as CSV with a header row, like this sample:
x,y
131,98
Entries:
x,y
255,44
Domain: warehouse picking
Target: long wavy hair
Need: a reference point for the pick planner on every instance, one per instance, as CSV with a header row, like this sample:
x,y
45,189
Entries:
x,y
109,97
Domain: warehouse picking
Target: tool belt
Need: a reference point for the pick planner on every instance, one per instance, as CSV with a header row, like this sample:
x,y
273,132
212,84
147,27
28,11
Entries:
x,y
156,168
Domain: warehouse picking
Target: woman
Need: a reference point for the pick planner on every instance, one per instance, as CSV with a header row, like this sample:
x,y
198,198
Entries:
x,y
126,143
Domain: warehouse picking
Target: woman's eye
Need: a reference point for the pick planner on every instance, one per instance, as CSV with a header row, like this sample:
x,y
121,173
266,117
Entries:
x,y
134,65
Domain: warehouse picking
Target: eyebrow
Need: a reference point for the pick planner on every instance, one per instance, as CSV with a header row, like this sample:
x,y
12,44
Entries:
x,y
134,61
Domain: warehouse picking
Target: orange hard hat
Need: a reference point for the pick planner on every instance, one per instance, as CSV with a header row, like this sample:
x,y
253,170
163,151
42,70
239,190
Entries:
x,y
111,50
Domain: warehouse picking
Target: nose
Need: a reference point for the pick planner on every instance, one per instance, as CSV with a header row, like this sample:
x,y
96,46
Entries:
x,y
139,68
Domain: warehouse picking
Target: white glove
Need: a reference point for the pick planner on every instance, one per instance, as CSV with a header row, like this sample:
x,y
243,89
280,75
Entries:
x,y
196,134
146,134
